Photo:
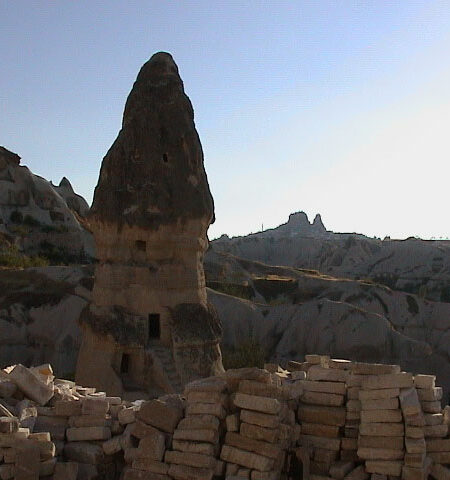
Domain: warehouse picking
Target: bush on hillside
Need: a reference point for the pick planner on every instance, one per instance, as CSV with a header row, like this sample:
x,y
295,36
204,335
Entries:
x,y
54,229
31,221
248,353
16,217
57,255
10,257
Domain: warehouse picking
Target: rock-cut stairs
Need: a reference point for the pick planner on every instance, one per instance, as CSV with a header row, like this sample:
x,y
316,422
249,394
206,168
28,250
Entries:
x,y
165,358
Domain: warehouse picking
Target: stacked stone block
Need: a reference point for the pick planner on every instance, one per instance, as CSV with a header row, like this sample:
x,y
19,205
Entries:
x,y
24,454
417,464
382,431
349,443
196,440
260,427
322,414
435,426
73,428
147,436
355,420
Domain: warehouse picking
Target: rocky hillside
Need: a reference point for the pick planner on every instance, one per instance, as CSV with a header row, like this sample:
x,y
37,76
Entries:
x,y
302,289
39,312
341,294
293,313
412,265
39,219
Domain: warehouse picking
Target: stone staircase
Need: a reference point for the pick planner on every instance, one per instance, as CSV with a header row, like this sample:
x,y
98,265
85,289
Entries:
x,y
165,357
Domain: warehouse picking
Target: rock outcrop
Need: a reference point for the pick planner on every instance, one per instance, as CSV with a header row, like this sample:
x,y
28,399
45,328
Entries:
x,y
151,211
38,217
74,201
39,312
412,265
39,309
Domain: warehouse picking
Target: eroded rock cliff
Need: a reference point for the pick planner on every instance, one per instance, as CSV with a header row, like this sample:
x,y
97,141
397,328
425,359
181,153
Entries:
x,y
39,218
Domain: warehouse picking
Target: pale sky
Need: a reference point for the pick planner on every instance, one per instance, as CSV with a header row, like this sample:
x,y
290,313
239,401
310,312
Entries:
x,y
336,107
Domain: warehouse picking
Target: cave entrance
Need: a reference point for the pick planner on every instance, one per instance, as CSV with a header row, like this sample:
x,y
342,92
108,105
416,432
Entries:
x,y
125,363
154,325
141,246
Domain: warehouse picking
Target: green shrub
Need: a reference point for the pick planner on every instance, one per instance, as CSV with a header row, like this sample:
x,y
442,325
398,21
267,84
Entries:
x,y
31,221
445,294
11,257
16,217
56,255
235,290
54,229
20,230
280,300
275,289
388,279
248,353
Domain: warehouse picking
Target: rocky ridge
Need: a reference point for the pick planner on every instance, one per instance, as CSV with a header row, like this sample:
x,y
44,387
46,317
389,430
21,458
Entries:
x,y
40,218
342,317
412,265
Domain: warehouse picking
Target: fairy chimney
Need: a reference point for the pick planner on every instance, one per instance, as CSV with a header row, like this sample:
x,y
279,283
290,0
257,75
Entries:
x,y
149,327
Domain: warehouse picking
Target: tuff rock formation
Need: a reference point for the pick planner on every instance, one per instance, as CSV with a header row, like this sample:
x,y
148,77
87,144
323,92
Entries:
x,y
413,265
38,217
40,307
75,202
149,327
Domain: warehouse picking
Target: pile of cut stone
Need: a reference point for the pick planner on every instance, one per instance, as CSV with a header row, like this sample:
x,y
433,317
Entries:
x,y
196,440
54,428
322,414
262,428
436,425
148,436
354,420
239,425
382,429
22,451
361,419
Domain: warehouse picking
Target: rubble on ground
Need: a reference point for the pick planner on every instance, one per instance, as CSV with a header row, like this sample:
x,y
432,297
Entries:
x,y
320,419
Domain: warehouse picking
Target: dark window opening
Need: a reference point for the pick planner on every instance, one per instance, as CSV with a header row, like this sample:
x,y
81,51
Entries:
x,y
125,363
141,245
165,158
154,326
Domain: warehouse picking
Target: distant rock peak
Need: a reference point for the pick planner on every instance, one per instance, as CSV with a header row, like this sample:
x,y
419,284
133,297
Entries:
x,y
65,183
9,157
298,218
318,224
298,222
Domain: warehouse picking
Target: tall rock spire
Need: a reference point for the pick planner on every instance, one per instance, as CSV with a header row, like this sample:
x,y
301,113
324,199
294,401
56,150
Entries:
x,y
153,174
152,207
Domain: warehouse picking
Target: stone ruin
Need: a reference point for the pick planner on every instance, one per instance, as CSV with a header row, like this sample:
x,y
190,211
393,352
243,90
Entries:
x,y
149,328
322,419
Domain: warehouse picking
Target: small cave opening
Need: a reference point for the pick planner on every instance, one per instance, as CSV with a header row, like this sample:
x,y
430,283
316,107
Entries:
x,y
165,157
154,325
125,363
141,245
